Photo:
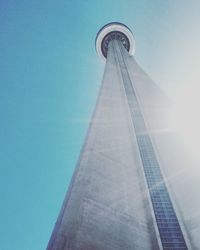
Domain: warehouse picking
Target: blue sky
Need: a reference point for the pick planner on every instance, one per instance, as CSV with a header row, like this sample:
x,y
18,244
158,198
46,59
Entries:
x,y
49,80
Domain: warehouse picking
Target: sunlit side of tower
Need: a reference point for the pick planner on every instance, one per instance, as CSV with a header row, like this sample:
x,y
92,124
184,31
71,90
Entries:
x,y
118,198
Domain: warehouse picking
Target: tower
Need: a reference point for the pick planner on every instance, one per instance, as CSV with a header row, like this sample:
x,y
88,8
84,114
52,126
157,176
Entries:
x,y
118,198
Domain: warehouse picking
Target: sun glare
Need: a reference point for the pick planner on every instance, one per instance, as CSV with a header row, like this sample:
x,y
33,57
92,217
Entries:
x,y
185,117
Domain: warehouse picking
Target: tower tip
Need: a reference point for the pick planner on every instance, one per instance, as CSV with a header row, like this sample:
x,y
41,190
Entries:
x,y
110,31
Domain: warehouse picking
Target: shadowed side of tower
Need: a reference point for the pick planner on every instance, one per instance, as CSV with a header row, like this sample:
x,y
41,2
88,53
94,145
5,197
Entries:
x,y
118,198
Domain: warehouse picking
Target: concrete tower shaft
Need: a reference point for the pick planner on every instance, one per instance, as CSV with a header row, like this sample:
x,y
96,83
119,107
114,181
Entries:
x,y
118,198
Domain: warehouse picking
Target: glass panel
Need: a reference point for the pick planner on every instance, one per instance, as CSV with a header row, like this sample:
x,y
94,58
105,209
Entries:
x,y
167,222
